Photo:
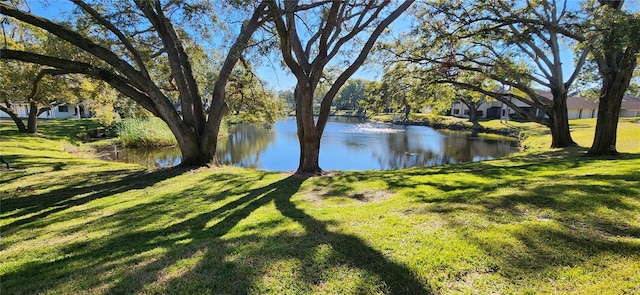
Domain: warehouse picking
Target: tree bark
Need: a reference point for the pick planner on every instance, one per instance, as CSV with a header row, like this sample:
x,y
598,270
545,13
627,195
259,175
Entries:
x,y
473,114
604,141
616,63
559,123
308,135
32,122
614,86
217,111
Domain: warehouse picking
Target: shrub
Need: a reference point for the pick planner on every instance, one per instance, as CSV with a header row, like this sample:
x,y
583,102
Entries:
x,y
143,132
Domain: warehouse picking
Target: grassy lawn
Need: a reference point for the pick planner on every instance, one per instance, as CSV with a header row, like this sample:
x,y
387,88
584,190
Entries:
x,y
539,222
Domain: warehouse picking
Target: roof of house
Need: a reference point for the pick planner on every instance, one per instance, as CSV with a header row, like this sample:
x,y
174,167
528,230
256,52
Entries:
x,y
574,102
630,102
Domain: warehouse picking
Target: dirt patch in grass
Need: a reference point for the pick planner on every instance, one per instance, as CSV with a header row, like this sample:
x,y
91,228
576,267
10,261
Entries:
x,y
364,195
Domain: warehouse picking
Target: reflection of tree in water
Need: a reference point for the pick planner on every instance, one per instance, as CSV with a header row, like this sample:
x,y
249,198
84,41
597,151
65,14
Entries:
x,y
471,149
366,146
243,145
156,157
403,152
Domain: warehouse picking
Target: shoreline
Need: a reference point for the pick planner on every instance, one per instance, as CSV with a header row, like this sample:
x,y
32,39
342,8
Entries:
x,y
461,126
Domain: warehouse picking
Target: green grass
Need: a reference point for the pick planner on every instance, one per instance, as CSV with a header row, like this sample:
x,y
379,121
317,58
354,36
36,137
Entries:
x,y
544,221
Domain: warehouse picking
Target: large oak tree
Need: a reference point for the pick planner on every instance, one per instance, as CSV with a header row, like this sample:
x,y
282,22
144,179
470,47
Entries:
x,y
125,41
613,36
517,44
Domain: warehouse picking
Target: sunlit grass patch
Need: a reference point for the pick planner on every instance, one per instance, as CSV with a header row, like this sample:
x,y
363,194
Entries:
x,y
543,221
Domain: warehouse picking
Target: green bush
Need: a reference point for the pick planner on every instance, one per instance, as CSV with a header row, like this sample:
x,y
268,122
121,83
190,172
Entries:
x,y
151,132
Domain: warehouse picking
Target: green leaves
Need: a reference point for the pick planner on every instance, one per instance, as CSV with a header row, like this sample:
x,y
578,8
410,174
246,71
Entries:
x,y
250,101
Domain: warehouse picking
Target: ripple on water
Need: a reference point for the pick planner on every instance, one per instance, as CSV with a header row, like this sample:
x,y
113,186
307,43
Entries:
x,y
373,128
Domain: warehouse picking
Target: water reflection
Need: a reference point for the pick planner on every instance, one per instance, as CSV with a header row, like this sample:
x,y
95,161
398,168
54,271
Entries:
x,y
347,144
155,158
244,145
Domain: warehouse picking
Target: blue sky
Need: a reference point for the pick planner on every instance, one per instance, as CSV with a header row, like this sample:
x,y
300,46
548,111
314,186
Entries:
x,y
271,71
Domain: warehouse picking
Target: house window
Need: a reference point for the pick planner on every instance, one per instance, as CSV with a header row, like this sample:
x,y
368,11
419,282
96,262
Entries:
x,y
456,112
63,109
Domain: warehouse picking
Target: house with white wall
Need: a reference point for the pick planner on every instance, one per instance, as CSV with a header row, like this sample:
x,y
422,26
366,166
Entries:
x,y
62,111
577,108
630,106
581,108
492,110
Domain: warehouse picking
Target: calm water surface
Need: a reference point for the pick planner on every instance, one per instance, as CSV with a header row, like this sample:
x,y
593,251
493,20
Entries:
x,y
347,144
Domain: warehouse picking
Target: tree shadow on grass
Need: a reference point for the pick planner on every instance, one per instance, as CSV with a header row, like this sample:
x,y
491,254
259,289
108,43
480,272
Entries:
x,y
350,250
397,278
531,216
33,207
537,217
214,251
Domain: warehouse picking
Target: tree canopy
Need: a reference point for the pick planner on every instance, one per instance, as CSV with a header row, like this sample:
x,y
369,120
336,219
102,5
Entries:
x,y
38,87
516,44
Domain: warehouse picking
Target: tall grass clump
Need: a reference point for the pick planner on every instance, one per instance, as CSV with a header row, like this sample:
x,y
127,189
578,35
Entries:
x,y
145,132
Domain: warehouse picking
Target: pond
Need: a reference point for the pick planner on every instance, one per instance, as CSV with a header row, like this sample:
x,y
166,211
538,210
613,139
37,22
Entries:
x,y
347,144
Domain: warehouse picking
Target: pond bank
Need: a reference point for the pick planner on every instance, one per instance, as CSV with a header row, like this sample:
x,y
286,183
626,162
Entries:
x,y
460,126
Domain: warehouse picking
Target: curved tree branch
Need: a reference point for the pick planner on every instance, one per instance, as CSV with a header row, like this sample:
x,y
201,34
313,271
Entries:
x,y
107,24
325,105
78,40
68,66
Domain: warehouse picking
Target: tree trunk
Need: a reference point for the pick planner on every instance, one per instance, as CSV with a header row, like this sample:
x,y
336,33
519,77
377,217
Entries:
x,y
558,121
21,127
309,155
604,142
32,123
616,69
559,124
191,154
189,144
473,115
611,95
407,111
307,134
217,110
